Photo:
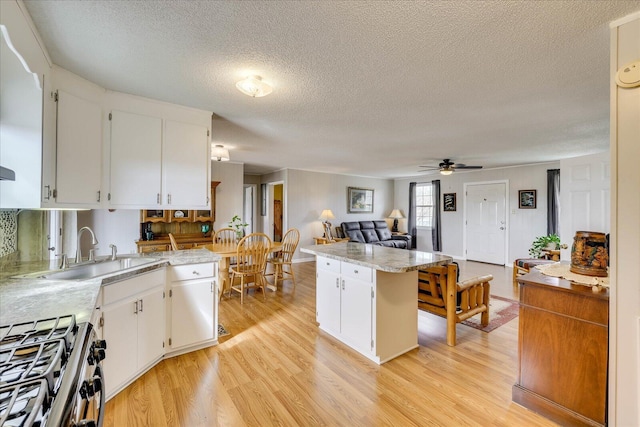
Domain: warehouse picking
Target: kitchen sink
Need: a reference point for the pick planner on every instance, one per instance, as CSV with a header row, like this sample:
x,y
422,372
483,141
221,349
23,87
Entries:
x,y
97,269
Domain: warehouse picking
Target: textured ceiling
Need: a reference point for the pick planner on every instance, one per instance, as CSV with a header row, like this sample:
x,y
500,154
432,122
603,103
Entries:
x,y
365,88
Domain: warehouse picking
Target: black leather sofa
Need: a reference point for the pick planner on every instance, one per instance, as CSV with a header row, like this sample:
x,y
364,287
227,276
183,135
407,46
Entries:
x,y
375,233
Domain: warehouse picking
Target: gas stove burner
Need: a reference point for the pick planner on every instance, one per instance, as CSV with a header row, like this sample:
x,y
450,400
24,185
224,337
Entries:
x,y
43,360
24,404
50,374
17,334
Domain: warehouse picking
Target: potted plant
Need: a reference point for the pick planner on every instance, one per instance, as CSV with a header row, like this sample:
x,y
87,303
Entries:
x,y
239,225
541,243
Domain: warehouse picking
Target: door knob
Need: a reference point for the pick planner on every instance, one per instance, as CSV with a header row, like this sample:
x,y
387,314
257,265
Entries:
x,y
501,228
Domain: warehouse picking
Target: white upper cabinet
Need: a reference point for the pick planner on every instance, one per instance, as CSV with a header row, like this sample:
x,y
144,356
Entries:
x,y
79,151
24,66
185,164
159,155
136,154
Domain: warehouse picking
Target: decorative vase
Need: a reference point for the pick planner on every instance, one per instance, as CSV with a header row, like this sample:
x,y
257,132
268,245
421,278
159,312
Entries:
x,y
589,254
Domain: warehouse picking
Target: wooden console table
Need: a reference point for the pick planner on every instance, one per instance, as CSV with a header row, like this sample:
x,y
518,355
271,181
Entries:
x,y
563,350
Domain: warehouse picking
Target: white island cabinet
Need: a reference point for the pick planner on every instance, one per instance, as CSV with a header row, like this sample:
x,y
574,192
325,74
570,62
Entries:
x,y
366,296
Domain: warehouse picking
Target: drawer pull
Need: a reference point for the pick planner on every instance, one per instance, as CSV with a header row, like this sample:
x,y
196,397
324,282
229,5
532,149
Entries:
x,y
355,271
196,273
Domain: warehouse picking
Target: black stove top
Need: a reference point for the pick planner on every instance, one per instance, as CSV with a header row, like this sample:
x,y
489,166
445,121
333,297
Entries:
x,y
33,358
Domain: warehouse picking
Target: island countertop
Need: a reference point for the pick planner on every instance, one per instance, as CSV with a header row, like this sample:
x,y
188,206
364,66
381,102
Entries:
x,y
381,258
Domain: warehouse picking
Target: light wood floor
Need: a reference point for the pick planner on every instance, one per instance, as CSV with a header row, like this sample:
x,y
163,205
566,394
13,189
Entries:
x,y
278,368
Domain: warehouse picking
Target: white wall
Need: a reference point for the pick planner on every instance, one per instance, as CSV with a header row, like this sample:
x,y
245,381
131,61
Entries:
x,y
624,318
120,227
309,193
229,192
524,225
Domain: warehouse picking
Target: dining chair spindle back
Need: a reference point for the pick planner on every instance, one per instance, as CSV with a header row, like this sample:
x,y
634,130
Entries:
x,y
282,261
251,262
225,235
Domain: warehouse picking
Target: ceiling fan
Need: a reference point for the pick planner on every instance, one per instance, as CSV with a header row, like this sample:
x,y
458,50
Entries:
x,y
446,167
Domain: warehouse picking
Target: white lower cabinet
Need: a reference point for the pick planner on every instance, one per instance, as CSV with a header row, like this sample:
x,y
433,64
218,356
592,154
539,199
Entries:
x,y
133,320
344,297
193,320
374,312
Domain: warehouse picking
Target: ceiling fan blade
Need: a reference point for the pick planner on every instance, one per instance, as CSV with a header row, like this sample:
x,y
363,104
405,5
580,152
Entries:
x,y
429,167
467,167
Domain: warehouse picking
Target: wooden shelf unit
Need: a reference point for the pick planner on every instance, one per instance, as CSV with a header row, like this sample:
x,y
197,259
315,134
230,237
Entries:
x,y
186,227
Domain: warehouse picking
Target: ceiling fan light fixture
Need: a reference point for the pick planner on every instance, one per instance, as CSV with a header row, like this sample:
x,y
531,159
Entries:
x,y
219,153
254,86
446,171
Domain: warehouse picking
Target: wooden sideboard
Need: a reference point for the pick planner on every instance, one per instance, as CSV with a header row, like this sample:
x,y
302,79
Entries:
x,y
562,350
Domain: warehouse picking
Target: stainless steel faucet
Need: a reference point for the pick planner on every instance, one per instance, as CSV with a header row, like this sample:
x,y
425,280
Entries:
x,y
94,241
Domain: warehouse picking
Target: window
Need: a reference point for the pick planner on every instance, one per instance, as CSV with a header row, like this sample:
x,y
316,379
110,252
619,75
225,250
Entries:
x,y
424,205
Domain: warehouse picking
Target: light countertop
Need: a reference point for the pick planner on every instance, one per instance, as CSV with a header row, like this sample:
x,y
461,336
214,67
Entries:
x,y
28,299
391,260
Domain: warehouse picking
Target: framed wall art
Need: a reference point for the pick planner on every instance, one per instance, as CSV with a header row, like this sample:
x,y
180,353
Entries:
x,y
527,199
359,200
449,202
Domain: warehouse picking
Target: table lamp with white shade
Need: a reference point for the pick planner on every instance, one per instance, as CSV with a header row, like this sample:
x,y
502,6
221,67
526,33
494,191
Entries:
x,y
325,216
395,215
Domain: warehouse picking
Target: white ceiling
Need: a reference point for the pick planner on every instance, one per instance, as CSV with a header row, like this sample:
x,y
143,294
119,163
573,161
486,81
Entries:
x,y
364,88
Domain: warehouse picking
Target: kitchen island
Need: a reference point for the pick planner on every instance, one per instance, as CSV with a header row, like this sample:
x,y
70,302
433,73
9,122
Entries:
x,y
366,296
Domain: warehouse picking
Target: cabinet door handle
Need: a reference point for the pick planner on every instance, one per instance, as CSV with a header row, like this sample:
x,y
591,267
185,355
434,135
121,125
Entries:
x,y
141,306
98,196
158,198
168,199
135,304
211,287
337,283
47,192
343,285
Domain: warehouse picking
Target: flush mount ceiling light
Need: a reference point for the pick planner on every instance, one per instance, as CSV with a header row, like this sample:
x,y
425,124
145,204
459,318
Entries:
x,y
219,153
254,87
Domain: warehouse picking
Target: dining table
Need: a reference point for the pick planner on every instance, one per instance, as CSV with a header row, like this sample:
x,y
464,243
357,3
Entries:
x,y
228,251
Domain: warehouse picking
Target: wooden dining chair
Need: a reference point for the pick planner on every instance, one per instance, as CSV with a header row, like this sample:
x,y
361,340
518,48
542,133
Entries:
x,y
225,235
174,244
282,260
251,262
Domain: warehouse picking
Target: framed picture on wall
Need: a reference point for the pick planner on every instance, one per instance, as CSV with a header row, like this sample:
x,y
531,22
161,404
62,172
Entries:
x,y
449,202
527,199
359,200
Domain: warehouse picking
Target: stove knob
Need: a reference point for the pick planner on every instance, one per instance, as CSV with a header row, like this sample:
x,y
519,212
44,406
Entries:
x,y
84,389
87,423
97,384
101,344
98,355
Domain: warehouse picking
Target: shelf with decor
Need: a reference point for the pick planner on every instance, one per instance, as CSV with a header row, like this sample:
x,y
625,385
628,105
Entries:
x,y
189,227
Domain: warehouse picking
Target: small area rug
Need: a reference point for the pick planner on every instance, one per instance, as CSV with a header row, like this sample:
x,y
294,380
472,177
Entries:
x,y
222,331
501,311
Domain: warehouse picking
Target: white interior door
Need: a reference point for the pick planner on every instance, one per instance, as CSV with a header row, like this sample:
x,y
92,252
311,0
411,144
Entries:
x,y
585,200
486,222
